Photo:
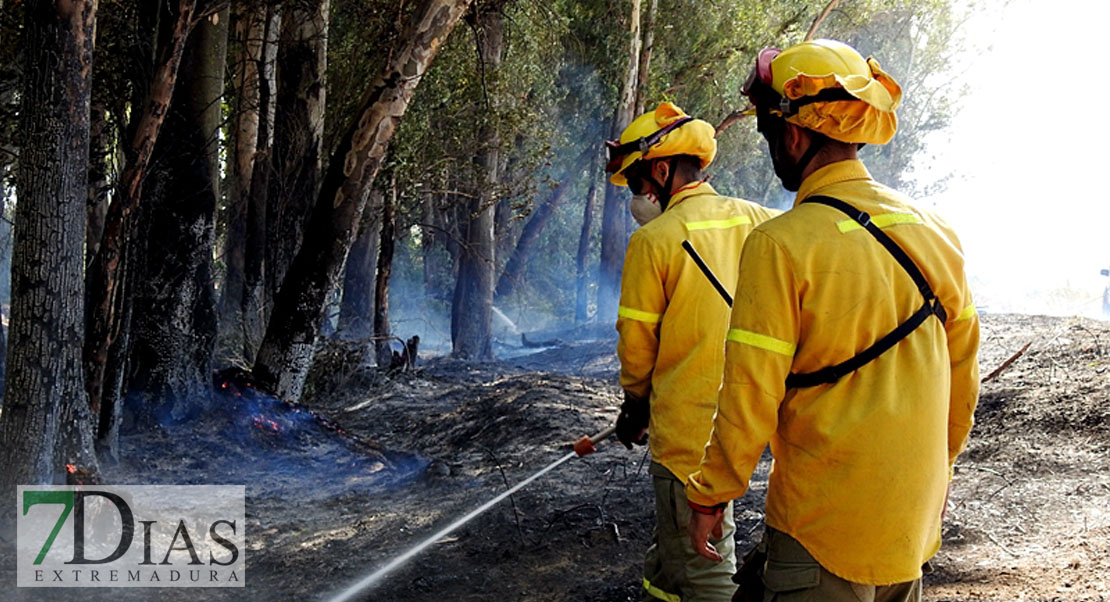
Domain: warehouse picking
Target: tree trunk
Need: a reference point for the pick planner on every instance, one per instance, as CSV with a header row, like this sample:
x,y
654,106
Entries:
x,y
473,309
526,243
302,61
45,421
250,31
581,313
106,303
356,310
97,199
258,203
286,351
645,56
614,234
381,284
174,320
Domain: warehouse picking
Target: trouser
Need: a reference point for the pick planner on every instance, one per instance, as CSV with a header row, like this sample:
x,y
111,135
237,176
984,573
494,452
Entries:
x,y
790,574
673,572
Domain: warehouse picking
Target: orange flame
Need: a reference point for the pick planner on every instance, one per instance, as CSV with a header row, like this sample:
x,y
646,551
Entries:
x,y
70,468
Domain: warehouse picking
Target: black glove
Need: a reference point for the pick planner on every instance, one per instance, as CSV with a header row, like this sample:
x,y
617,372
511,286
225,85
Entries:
x,y
632,423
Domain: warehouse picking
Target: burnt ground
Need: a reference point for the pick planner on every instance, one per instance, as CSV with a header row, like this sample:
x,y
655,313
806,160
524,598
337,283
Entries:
x,y
1029,516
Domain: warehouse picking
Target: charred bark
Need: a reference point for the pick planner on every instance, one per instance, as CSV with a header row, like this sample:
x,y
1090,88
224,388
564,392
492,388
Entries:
x,y
514,268
97,207
298,133
258,203
381,284
582,262
286,351
614,232
174,320
46,421
250,25
472,312
356,310
105,303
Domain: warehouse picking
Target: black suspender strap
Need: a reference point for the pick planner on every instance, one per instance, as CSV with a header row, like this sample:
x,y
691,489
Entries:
x,y
931,306
709,275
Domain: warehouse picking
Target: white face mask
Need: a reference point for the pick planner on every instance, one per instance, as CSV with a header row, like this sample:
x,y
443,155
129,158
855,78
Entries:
x,y
645,207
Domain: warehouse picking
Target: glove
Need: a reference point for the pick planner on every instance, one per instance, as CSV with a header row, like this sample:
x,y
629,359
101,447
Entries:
x,y
632,424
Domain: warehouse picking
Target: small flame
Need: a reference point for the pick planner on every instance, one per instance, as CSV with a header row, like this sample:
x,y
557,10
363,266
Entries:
x,y
265,423
70,468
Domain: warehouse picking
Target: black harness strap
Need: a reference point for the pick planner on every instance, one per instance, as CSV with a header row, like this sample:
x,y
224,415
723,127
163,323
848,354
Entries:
x,y
931,306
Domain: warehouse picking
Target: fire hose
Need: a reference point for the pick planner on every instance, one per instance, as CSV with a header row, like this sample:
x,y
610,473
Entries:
x,y
584,446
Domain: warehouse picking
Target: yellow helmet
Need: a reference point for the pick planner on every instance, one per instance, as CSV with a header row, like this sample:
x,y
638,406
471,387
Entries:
x,y
828,87
665,132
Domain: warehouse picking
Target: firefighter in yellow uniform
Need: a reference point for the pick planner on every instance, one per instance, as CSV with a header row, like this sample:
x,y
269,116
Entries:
x,y
851,350
672,321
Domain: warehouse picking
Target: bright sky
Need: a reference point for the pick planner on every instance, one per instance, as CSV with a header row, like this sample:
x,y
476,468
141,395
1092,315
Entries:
x,y
1030,151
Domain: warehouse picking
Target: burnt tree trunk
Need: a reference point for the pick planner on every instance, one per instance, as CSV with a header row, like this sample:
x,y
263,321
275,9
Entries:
x,y
356,310
382,353
174,320
298,133
107,308
514,268
582,262
250,28
46,421
472,312
614,233
97,199
286,352
258,203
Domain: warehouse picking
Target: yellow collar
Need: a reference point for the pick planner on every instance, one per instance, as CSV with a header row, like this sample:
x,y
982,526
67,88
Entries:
x,y
691,189
833,173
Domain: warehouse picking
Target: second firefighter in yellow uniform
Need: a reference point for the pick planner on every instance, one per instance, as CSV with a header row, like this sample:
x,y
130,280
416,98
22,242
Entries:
x,y
672,322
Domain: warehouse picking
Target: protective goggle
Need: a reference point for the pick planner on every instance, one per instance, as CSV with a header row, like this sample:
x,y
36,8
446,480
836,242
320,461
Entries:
x,y
761,73
616,152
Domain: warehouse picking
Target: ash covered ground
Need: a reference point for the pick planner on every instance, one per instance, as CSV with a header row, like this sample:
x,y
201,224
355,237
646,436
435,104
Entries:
x,y
1029,517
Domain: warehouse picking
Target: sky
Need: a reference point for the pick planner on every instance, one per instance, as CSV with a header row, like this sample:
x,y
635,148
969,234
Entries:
x,y
1029,151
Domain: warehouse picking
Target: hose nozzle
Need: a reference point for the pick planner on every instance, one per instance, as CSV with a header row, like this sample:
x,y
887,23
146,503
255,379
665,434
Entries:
x,y
588,445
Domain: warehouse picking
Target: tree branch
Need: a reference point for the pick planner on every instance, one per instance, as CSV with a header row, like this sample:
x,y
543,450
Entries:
x,y
821,19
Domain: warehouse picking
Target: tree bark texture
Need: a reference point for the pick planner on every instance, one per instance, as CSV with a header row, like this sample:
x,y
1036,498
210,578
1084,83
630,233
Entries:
x,y
382,353
174,320
356,310
582,262
472,312
103,281
614,234
45,420
514,268
644,70
250,28
258,205
286,352
302,60
97,199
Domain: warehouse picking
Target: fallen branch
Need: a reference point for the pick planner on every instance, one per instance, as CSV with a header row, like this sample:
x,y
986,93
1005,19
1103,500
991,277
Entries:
x,y
1006,364
821,19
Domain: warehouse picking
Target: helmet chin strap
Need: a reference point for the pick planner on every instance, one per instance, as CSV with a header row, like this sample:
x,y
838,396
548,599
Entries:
x,y
664,191
792,180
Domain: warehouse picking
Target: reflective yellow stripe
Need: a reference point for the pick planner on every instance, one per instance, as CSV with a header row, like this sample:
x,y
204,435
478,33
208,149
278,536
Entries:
x,y
966,313
639,316
762,341
658,593
719,224
882,220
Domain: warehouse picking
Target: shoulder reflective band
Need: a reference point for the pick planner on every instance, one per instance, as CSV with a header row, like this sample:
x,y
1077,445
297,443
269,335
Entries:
x,y
719,224
708,272
931,306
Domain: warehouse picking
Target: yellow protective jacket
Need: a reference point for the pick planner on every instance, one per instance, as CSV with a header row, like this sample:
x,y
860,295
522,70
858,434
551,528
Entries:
x,y
672,322
861,465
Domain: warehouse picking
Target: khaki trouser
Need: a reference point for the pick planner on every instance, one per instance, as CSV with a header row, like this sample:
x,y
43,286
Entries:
x,y
672,570
790,574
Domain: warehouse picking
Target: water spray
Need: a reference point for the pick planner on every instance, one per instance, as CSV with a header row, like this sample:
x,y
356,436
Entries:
x,y
585,445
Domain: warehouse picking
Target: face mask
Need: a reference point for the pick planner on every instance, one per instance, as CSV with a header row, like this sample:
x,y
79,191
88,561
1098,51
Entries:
x,y
645,207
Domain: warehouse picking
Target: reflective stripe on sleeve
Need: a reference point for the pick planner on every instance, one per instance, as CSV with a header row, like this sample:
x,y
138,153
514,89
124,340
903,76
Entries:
x,y
761,341
881,220
638,315
658,593
966,313
719,224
